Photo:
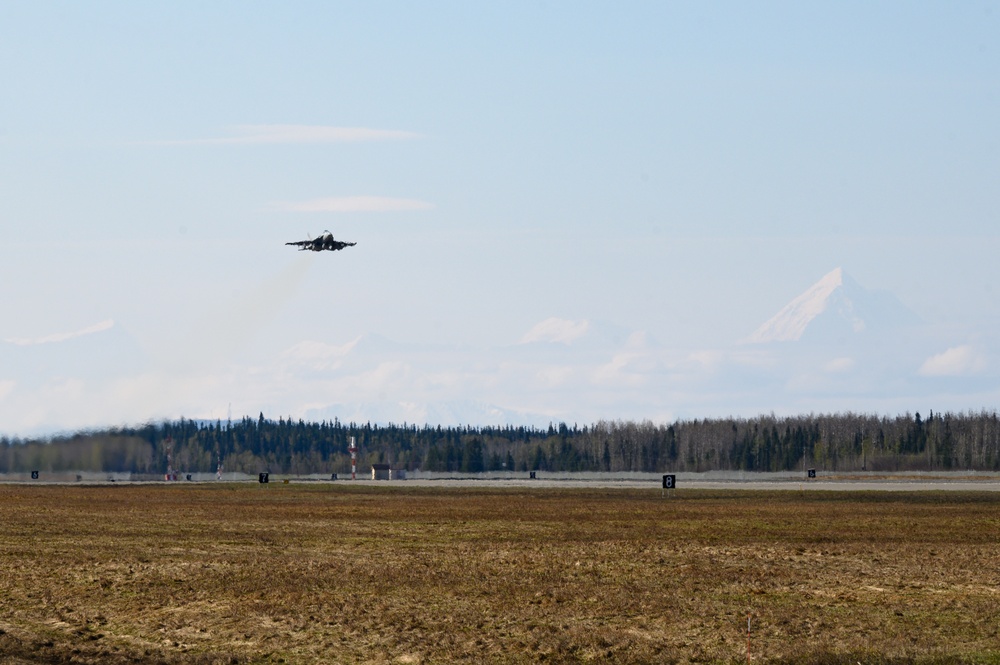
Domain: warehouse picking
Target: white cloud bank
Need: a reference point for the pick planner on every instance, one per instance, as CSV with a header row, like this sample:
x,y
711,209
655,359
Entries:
x,y
356,204
956,361
279,134
579,373
310,351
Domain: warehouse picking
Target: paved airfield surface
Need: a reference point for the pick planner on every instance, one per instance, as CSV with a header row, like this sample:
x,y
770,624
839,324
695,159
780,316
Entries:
x,y
888,482
836,486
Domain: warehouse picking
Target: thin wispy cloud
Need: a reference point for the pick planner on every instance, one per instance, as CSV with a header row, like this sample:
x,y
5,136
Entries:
x,y
356,204
62,337
291,134
838,365
556,330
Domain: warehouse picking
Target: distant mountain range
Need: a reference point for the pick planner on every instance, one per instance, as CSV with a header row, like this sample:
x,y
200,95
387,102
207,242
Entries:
x,y
836,346
453,413
98,352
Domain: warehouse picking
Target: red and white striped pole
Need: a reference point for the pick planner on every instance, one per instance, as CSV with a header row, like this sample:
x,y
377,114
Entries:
x,y
354,459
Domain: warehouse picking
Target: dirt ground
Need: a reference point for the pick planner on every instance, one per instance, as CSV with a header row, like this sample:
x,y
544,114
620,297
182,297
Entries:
x,y
298,573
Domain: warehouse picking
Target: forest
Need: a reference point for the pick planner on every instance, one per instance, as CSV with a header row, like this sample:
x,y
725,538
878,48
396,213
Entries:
x,y
835,442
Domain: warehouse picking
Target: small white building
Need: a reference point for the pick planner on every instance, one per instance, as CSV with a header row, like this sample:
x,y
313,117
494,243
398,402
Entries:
x,y
386,472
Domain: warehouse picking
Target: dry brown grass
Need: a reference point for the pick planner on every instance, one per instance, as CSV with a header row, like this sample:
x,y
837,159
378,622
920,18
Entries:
x,y
340,573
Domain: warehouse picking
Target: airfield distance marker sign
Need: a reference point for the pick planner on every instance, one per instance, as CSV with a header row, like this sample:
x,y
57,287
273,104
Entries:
x,y
810,475
34,475
262,478
669,483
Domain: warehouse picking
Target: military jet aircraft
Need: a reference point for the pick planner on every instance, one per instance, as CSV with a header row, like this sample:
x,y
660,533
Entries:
x,y
323,242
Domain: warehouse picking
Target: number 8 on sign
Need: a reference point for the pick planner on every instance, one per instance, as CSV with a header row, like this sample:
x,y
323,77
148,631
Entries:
x,y
669,481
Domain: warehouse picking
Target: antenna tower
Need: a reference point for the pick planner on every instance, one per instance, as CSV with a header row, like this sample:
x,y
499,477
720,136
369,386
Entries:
x,y
353,448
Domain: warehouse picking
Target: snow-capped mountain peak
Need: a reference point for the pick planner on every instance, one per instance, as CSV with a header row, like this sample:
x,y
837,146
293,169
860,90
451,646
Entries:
x,y
834,307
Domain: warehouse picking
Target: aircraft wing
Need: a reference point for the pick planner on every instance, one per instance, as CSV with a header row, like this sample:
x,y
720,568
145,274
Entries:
x,y
320,244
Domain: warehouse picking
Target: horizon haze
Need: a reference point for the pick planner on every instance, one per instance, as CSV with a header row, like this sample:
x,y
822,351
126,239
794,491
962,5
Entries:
x,y
562,213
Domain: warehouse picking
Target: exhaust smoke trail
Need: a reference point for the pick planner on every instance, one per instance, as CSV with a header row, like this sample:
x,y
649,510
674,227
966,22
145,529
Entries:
x,y
217,339
186,372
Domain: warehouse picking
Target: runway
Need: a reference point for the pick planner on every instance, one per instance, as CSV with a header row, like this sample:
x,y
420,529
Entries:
x,y
964,481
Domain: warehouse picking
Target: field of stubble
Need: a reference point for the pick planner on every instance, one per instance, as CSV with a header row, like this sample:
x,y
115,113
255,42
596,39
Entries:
x,y
337,573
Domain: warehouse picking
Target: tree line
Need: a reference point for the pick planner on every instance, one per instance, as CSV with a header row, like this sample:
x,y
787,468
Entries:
x,y
835,442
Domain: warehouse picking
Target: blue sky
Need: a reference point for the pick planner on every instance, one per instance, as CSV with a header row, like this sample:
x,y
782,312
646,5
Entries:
x,y
683,169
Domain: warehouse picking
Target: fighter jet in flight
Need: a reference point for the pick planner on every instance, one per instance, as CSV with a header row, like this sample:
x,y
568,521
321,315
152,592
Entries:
x,y
323,242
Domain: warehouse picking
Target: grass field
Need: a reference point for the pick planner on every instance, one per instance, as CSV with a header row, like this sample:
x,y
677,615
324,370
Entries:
x,y
233,573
